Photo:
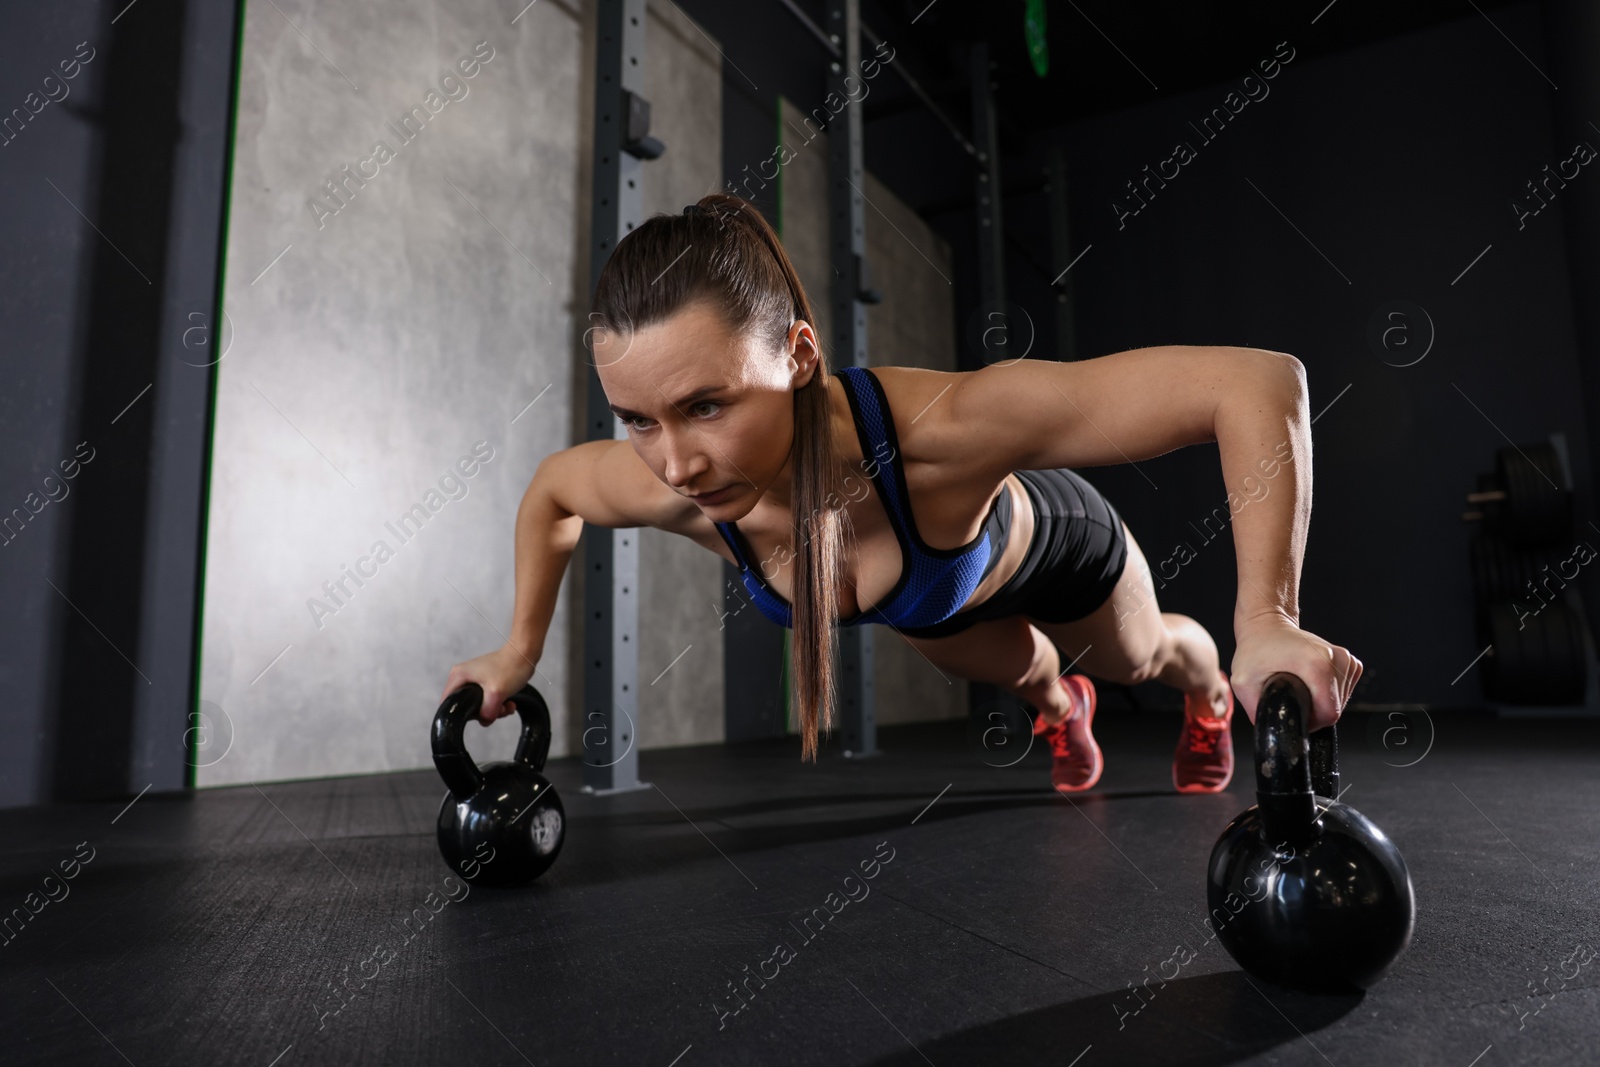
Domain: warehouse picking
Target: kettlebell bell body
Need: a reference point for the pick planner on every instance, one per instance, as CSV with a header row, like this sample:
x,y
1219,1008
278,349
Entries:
x,y
1303,890
1329,914
502,824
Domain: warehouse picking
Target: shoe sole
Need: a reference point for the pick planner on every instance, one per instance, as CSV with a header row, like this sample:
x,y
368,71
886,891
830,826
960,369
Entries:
x,y
1188,789
1099,756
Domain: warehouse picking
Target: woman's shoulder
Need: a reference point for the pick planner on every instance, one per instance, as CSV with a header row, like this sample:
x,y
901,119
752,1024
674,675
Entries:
x,y
922,408
916,387
951,470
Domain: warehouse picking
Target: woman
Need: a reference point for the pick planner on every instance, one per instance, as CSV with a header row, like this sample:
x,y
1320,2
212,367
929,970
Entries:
x,y
935,503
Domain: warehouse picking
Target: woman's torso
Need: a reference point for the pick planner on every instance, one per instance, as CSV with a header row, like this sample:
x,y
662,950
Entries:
x,y
948,504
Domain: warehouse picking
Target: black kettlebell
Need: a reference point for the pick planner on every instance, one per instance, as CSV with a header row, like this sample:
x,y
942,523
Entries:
x,y
1305,891
501,824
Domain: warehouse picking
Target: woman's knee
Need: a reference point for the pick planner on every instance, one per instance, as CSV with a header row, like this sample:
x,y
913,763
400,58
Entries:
x,y
1146,648
1145,663
1125,661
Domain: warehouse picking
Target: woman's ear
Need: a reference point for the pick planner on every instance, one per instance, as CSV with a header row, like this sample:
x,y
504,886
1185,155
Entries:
x,y
803,354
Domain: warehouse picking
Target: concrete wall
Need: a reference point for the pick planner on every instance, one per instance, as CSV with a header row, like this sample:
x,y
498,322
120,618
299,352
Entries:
x,y
381,336
913,327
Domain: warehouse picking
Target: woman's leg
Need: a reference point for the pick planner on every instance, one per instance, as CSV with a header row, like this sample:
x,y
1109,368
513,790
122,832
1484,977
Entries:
x,y
1129,640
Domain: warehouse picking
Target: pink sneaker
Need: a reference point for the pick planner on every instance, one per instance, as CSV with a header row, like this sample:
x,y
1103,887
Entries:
x,y
1077,759
1204,760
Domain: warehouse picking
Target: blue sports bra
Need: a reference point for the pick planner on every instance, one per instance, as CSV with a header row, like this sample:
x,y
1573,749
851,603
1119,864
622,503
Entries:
x,y
934,583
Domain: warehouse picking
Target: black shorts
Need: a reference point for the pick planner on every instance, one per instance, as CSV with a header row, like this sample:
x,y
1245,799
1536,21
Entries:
x,y
1072,564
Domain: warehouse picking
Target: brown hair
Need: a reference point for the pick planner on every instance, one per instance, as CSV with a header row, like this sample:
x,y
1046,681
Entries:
x,y
723,250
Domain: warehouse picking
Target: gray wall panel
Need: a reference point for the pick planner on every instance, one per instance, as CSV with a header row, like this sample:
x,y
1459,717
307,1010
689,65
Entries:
x,y
444,297
424,316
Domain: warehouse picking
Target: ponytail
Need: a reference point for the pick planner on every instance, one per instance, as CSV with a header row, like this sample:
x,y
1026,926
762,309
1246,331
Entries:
x,y
724,249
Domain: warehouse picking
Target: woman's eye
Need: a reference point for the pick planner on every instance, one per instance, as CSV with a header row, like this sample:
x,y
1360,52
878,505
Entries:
x,y
632,421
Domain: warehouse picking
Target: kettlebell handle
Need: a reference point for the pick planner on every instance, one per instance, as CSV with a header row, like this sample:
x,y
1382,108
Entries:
x,y
1325,761
1288,763
450,755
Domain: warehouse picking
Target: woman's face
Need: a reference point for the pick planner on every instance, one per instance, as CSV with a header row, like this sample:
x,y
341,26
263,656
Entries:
x,y
710,410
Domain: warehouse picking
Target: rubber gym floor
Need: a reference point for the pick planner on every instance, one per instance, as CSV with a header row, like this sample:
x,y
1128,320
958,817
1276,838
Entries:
x,y
1001,924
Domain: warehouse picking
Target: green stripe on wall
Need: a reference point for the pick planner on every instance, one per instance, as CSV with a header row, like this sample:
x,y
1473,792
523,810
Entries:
x,y
194,723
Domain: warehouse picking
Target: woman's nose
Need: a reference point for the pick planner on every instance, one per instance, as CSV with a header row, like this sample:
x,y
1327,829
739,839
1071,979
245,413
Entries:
x,y
685,461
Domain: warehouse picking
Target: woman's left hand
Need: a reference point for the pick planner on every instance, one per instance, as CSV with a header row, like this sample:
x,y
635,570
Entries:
x,y
1272,644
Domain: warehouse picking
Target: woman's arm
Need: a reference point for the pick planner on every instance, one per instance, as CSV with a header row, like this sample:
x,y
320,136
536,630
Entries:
x,y
1122,408
1264,437
547,533
1269,497
1125,407
603,483
1142,403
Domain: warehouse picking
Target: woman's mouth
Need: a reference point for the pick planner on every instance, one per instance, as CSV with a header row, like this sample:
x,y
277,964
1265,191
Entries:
x,y
715,497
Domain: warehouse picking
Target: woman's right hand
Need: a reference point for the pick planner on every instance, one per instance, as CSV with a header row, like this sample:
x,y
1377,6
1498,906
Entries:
x,y
502,673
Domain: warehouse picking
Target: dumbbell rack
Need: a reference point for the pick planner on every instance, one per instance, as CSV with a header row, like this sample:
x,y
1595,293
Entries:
x,y
1515,491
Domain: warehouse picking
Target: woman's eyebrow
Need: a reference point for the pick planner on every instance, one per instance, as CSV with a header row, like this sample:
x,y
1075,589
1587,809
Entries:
x,y
683,401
